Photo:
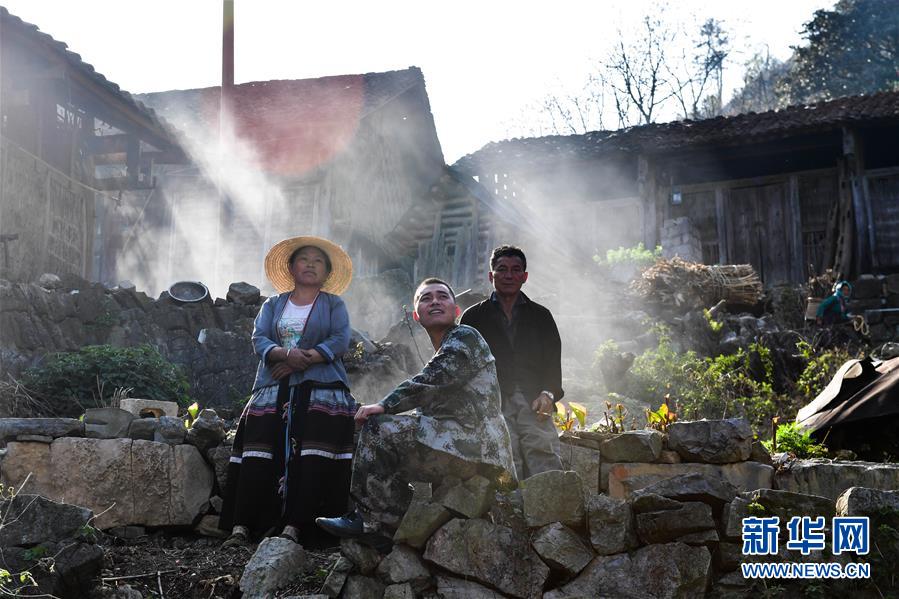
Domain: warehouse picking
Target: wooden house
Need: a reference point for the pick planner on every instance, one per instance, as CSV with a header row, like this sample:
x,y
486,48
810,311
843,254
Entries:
x,y
70,141
353,158
792,191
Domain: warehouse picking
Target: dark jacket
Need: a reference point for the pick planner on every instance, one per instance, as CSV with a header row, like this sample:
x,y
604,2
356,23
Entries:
x,y
535,363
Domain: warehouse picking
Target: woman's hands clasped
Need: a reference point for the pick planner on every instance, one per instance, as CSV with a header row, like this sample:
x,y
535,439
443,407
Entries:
x,y
297,360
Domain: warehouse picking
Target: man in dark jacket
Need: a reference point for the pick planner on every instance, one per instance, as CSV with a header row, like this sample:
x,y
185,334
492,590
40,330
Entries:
x,y
525,341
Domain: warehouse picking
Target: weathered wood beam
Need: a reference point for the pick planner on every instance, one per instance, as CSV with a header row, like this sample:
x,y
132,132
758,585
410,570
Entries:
x,y
121,183
108,144
864,247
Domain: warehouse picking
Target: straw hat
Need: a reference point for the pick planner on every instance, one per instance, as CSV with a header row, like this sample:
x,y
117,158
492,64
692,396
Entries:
x,y
278,271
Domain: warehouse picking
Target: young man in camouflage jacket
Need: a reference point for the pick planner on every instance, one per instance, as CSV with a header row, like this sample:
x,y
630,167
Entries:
x,y
458,429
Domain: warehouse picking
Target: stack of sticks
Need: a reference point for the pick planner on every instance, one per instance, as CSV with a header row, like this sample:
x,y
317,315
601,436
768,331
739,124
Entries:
x,y
679,282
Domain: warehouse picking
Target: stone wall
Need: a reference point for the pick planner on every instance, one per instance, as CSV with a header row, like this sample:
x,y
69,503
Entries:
x,y
210,340
128,470
52,215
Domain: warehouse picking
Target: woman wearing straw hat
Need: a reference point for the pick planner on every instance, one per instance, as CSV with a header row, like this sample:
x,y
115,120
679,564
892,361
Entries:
x,y
291,457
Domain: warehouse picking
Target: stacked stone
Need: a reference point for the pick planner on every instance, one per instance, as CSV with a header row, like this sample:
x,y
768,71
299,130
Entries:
x,y
135,466
209,340
681,238
876,297
59,315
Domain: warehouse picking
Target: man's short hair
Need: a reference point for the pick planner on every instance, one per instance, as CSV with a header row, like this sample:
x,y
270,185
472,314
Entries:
x,y
432,281
508,250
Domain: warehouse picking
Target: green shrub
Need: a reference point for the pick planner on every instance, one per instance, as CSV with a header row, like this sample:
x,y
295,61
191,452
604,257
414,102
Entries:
x,y
637,254
820,368
722,386
793,439
86,378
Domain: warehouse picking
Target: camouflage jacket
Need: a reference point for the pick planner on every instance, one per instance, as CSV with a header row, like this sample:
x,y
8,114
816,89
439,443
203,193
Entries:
x,y
457,396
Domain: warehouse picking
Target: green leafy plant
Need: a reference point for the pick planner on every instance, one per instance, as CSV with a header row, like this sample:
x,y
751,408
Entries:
x,y
570,417
740,384
192,411
756,509
713,324
638,255
791,438
71,381
614,418
661,418
820,368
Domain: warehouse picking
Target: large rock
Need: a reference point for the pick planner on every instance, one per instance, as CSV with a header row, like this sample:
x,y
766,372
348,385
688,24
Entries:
x,y
669,571
170,431
276,563
122,481
107,423
32,520
584,461
362,587
207,431
365,558
10,428
611,524
399,591
143,428
732,517
337,577
97,474
831,479
151,471
403,565
633,446
650,502
243,293
786,504
419,523
27,461
219,458
858,501
561,549
693,487
668,525
457,588
149,408
553,496
711,441
191,484
492,555
625,479
470,499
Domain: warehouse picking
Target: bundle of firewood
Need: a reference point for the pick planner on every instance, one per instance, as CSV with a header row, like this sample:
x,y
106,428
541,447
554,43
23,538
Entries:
x,y
821,285
678,282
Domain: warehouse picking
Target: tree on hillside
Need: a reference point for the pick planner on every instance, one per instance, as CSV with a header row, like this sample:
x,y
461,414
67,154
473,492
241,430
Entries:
x,y
698,78
852,49
762,87
640,77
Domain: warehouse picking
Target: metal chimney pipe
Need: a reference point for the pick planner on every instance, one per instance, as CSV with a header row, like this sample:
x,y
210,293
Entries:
x,y
227,44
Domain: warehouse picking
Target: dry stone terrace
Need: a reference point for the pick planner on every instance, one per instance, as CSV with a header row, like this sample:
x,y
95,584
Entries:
x,y
671,504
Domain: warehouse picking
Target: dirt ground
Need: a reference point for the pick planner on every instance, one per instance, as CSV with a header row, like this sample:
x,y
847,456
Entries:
x,y
192,567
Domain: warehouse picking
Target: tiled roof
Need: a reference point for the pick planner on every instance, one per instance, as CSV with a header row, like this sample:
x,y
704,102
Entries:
x,y
156,125
718,131
295,124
